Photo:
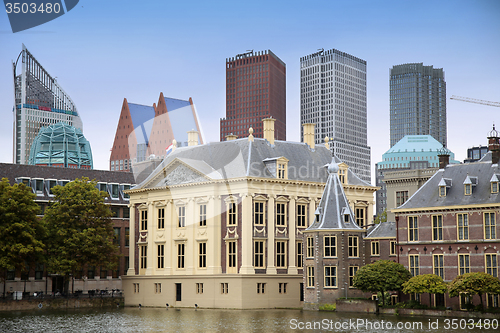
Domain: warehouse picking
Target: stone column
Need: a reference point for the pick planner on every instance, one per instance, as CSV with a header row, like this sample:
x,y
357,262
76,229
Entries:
x,y
292,230
168,236
191,251
271,228
312,210
132,242
246,235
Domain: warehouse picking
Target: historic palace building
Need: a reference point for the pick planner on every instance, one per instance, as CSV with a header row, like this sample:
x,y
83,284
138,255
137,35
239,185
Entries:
x,y
222,225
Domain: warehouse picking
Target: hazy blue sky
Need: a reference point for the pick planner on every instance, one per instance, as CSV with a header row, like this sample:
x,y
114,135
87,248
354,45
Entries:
x,y
104,51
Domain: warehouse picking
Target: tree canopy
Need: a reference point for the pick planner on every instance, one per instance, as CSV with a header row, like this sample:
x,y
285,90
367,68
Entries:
x,y
21,231
382,217
80,231
426,283
477,283
381,276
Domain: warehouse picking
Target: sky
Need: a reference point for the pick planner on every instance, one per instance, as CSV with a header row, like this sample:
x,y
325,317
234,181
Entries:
x,y
104,51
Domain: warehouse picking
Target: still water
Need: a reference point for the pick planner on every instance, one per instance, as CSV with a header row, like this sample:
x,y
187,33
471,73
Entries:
x,y
241,321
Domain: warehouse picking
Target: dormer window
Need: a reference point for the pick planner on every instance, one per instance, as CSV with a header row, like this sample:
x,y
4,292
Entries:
x,y
277,166
469,182
281,170
494,184
443,186
343,173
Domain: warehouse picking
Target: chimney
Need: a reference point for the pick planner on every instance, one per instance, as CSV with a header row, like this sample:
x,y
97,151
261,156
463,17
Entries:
x,y
494,145
231,136
309,134
444,157
269,129
192,138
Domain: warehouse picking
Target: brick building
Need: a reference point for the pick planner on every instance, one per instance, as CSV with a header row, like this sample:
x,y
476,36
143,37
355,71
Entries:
x,y
449,226
41,179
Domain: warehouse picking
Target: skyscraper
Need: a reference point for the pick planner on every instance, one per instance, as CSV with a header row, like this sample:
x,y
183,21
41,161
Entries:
x,y
333,96
39,102
418,102
255,89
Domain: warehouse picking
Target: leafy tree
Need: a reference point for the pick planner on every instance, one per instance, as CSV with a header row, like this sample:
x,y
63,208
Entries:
x,y
477,283
21,231
426,283
80,231
382,217
381,276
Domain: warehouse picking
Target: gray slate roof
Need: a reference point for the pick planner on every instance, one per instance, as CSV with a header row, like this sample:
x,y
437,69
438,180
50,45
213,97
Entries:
x,y
382,230
242,158
333,211
428,195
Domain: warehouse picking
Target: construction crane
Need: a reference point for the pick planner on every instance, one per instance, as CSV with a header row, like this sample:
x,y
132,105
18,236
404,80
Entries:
x,y
477,101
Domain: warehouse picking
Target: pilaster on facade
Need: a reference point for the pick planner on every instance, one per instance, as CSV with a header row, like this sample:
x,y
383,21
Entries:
x,y
191,250
271,227
292,229
150,239
131,249
246,239
214,231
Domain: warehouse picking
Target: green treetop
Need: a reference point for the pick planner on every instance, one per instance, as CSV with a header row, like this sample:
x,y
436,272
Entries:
x,y
426,283
477,283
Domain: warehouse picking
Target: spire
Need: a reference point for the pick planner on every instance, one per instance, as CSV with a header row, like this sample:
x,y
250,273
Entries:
x,y
333,210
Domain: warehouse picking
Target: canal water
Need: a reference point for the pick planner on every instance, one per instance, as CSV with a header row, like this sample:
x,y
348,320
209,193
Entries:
x,y
206,320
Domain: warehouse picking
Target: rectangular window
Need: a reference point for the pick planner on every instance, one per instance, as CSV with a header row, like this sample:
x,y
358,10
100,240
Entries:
x,y
224,288
437,227
261,288
330,276
144,220
281,171
259,254
180,255
352,273
116,236
489,226
127,236
463,264
401,197
203,215
491,264
136,288
126,212
375,248
280,254
157,288
393,248
360,217
161,256
494,187
353,246
442,191
144,256
310,247
310,276
199,288
231,214
463,226
412,228
414,265
231,254
467,189
39,268
182,217
438,266
161,218
300,255
258,213
282,288
280,214
202,255
301,216
330,246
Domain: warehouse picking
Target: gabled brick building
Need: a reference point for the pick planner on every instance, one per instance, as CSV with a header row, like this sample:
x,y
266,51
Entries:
x,y
449,226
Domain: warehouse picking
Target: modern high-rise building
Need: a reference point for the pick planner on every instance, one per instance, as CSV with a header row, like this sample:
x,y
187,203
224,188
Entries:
x,y
418,102
333,96
255,89
38,102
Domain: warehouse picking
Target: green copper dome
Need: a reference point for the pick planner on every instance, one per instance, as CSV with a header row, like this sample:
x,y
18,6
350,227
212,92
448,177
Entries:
x,y
61,145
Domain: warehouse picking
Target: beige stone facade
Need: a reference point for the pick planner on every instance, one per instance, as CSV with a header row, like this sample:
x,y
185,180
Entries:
x,y
229,234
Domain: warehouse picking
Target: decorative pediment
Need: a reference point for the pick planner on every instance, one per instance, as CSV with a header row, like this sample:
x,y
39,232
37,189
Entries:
x,y
160,204
201,200
302,201
180,202
176,173
231,198
260,197
282,199
142,206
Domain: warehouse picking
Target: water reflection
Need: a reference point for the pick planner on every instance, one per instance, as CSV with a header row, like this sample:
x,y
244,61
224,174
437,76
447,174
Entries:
x,y
205,320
